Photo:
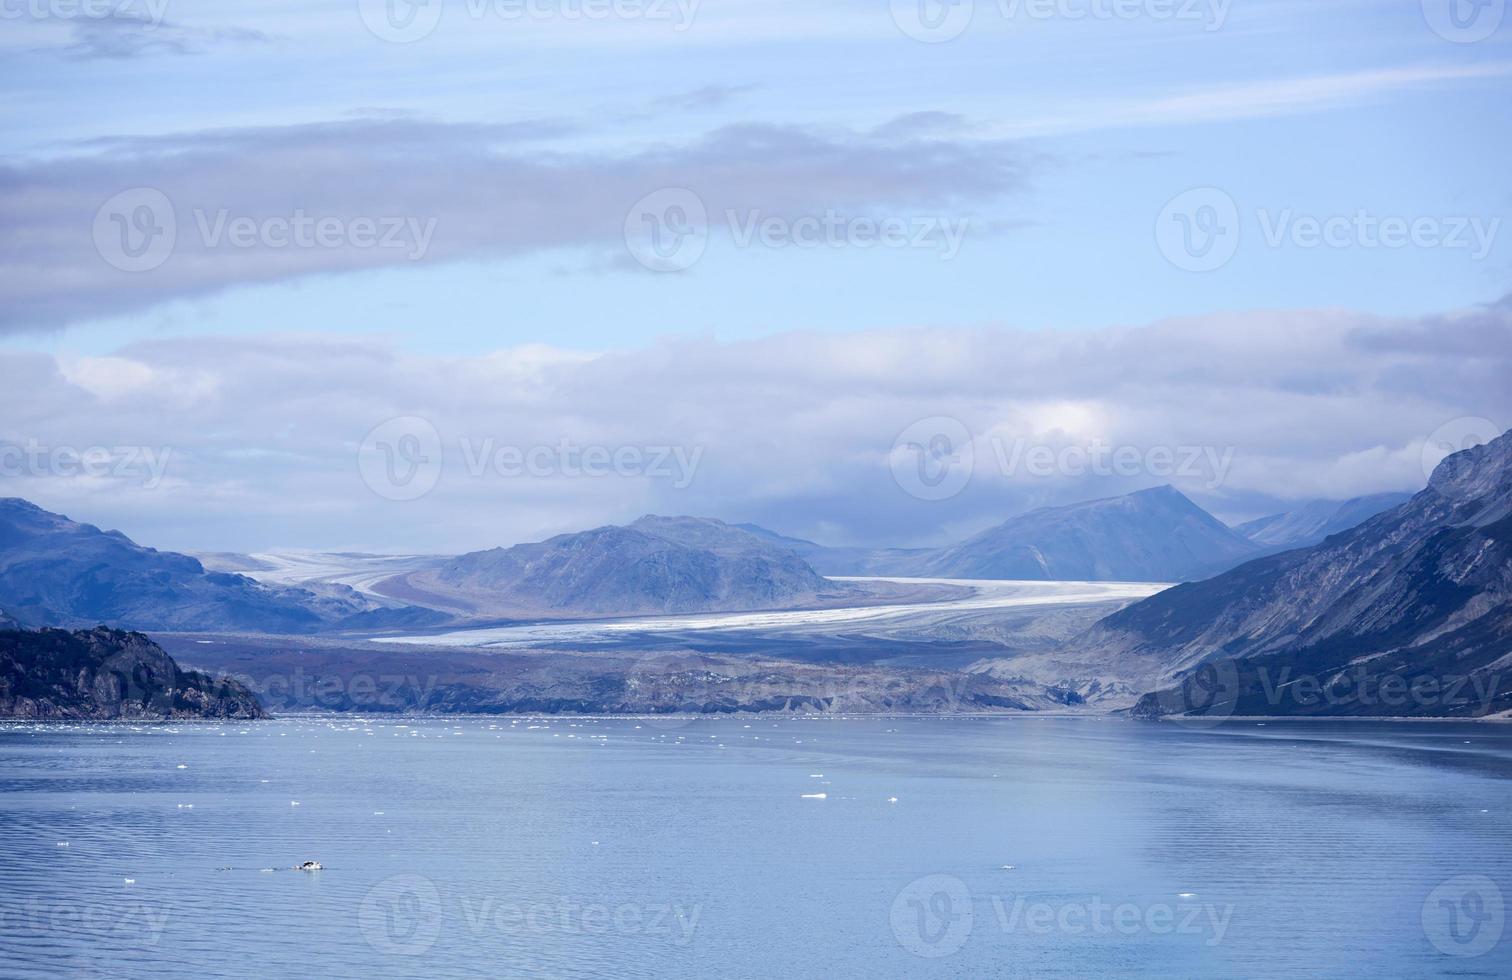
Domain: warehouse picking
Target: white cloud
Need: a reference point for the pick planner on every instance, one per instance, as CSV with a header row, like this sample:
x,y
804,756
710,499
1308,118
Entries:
x,y
794,430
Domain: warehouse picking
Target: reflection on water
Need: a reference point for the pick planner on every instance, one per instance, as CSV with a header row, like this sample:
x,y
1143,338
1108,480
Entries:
x,y
886,848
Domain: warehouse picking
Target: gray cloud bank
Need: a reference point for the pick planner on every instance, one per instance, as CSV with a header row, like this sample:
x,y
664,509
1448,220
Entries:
x,y
450,190
796,431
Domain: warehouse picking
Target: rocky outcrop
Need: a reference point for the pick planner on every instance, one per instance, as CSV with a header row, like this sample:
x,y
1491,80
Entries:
x,y
1410,613
105,674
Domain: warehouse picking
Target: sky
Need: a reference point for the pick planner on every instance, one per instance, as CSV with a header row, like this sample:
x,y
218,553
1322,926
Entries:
x,y
434,276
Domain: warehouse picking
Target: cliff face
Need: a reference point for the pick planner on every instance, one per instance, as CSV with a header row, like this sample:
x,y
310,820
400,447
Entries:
x,y
105,674
1419,593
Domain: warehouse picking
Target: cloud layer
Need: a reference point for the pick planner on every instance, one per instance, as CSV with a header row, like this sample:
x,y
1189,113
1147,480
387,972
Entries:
x,y
136,222
272,441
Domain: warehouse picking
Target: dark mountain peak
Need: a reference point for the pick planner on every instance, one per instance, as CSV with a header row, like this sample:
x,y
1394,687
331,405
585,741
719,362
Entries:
x,y
656,564
1164,492
58,572
1314,520
1152,535
1477,472
1421,590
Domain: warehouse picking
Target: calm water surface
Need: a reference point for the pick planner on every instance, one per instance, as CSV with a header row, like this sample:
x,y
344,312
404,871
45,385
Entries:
x,y
1032,847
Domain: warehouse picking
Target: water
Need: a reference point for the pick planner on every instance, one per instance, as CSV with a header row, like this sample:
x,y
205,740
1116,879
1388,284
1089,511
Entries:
x,y
481,847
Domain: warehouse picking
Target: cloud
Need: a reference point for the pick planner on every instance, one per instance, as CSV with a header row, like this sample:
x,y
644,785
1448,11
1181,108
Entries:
x,y
122,34
127,223
1260,99
705,97
794,431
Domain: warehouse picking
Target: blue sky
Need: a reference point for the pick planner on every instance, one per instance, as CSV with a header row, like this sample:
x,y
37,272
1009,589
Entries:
x,y
1320,108
1055,134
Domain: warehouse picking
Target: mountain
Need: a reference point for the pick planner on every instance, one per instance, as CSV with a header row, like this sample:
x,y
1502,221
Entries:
x,y
1155,535
59,572
829,560
1315,521
1420,595
655,565
103,674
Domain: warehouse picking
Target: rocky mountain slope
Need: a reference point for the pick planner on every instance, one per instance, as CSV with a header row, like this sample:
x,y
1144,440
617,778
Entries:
x,y
59,572
1422,592
1316,520
1155,535
655,565
104,674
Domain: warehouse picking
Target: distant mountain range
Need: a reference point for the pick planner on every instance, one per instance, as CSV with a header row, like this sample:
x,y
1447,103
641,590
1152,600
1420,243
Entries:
x,y
1420,594
654,565
59,572
1314,521
1155,535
